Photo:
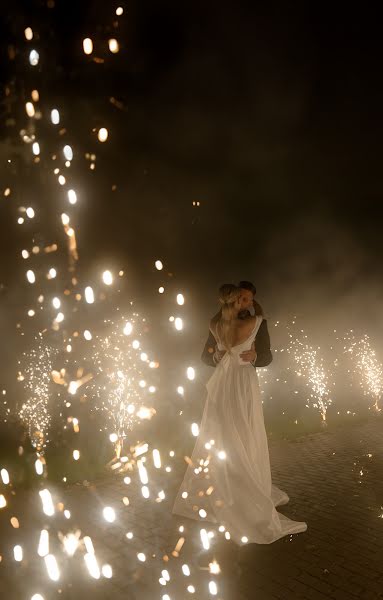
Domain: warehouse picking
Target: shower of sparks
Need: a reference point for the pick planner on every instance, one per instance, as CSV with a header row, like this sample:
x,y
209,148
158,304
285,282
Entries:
x,y
36,375
367,365
311,365
121,382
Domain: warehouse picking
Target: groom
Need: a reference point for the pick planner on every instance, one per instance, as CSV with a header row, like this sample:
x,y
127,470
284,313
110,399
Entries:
x,y
260,354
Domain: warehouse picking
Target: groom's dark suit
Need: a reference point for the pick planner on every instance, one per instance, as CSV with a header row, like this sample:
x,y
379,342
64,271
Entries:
x,y
261,343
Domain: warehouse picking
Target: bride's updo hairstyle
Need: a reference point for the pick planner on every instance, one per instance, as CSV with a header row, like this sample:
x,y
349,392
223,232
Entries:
x,y
228,298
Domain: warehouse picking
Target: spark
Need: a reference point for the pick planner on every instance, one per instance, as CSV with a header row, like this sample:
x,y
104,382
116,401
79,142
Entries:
x,y
89,295
55,116
102,134
72,197
52,567
28,34
87,45
34,58
113,46
107,277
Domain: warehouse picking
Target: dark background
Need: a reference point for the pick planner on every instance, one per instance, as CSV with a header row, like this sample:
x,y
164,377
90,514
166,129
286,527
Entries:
x,y
269,116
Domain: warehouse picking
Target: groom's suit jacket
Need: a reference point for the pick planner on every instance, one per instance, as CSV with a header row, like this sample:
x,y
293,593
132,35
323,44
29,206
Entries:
x,y
261,342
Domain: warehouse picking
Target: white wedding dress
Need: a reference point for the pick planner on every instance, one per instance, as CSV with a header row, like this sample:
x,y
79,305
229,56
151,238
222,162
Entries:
x,y
228,481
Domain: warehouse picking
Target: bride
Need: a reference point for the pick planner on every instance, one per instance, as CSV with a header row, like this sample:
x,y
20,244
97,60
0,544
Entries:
x,y
228,479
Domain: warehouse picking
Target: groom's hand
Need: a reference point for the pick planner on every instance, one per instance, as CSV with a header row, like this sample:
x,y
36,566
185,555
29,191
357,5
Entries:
x,y
249,355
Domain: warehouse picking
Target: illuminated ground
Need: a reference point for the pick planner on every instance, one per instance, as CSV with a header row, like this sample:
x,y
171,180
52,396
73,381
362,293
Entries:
x,y
333,483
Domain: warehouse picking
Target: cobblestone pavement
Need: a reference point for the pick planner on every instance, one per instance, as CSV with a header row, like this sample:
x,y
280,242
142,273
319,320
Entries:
x,y
335,483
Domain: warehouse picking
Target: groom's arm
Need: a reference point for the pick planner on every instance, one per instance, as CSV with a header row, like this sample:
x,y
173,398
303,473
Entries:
x,y
262,346
208,351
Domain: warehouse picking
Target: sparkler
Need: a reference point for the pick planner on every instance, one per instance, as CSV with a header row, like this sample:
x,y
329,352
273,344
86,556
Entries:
x,y
37,366
121,383
311,365
367,366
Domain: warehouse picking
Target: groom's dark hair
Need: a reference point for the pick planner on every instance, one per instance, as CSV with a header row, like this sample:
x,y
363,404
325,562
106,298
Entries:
x,y
247,285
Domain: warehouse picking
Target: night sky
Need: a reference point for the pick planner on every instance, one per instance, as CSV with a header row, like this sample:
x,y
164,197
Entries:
x,y
269,116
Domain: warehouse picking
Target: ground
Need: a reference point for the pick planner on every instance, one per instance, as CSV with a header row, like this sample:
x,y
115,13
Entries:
x,y
335,483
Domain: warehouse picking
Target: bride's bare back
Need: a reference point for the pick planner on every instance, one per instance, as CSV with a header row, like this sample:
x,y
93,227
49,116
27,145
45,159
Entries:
x,y
239,329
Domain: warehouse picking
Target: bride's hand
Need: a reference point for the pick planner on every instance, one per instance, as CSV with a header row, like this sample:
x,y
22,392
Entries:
x,y
218,355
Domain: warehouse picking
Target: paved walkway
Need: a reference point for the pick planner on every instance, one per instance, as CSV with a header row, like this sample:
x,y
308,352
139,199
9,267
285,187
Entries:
x,y
335,484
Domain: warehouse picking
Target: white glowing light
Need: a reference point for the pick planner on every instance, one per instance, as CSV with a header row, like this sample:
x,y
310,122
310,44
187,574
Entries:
x,y
107,571
89,295
18,553
34,58
143,473
52,567
72,197
143,356
65,219
202,513
213,588
178,324
36,148
195,429
87,335
56,302
60,317
25,254
76,454
107,277
52,273
39,466
222,454
113,46
55,116
30,109
28,34
31,313
141,556
109,514
102,134
180,299
186,570
31,276
180,390
159,266
70,543
205,539
43,548
37,597
244,539
190,373
87,45
128,329
62,180
5,476
3,501
68,152
136,344
20,220
47,502
157,459
119,11
161,290
145,491
30,212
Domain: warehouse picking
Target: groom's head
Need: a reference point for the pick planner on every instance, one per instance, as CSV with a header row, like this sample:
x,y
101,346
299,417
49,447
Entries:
x,y
248,291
